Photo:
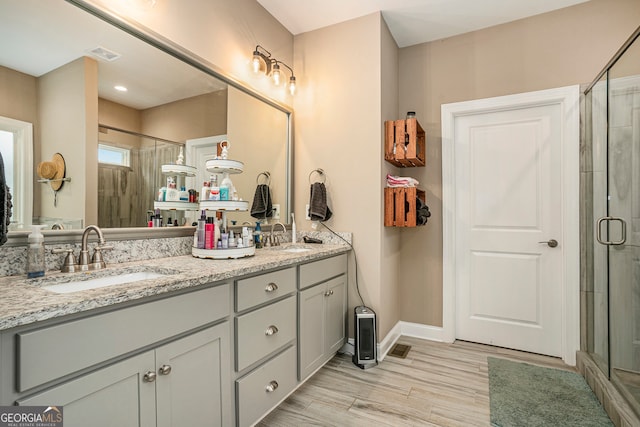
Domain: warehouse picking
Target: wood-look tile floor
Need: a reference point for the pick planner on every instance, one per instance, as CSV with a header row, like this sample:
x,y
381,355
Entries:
x,y
435,385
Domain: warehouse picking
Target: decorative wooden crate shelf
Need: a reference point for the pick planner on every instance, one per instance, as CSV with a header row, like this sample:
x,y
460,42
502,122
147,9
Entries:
x,y
404,143
400,206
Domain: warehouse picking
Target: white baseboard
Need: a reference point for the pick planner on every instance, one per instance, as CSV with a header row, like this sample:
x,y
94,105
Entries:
x,y
415,330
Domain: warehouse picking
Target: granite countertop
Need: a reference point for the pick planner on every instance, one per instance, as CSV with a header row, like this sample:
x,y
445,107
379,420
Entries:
x,y
25,301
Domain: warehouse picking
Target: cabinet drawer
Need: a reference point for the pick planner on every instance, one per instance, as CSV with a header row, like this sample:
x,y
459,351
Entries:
x,y
264,331
266,287
256,394
319,271
52,352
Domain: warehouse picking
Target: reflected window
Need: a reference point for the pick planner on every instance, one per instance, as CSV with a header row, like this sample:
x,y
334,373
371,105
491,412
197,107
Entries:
x,y
111,155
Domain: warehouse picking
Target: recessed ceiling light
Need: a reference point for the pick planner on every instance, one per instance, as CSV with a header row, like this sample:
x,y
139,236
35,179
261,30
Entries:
x,y
120,88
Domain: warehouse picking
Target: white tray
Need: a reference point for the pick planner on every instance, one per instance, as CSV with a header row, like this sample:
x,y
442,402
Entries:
x,y
183,170
178,206
231,253
225,205
221,166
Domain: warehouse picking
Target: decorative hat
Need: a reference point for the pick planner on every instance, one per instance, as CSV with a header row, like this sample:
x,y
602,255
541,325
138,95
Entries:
x,y
54,170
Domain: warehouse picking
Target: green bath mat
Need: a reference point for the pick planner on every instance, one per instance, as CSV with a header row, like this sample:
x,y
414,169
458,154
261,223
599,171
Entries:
x,y
526,395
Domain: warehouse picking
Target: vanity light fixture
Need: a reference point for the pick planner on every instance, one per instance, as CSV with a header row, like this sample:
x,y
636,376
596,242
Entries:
x,y
263,62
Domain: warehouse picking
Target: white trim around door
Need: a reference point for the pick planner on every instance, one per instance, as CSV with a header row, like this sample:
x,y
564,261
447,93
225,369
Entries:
x,y
568,98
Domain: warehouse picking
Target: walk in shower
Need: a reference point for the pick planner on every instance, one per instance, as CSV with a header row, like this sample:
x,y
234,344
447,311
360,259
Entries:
x,y
611,222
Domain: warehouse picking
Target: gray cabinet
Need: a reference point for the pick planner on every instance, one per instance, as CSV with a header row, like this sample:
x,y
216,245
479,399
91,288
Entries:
x,y
322,323
113,396
266,330
184,382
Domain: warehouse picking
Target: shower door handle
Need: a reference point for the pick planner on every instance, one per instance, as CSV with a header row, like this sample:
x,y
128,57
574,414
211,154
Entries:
x,y
623,224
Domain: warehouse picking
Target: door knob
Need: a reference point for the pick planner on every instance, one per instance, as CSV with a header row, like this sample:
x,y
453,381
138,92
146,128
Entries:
x,y
552,243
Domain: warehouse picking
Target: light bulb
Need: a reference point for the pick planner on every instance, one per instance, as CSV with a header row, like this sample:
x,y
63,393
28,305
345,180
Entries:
x,y
256,62
292,85
275,74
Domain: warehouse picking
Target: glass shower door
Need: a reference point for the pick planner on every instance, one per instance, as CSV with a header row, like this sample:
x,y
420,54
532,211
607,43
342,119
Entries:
x,y
620,229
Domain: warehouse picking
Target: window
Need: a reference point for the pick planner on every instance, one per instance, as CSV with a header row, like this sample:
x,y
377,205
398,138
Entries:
x,y
111,155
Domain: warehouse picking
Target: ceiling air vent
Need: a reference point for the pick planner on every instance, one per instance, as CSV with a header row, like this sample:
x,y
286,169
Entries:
x,y
104,54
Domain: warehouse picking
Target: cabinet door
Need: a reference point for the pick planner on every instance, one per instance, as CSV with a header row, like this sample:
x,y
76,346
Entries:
x,y
311,330
112,396
194,385
336,309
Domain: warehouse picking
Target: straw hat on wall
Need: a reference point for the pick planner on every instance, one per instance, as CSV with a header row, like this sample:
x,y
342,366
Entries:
x,y
55,170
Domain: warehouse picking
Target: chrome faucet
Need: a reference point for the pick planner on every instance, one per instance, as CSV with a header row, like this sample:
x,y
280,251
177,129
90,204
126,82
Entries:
x,y
97,262
274,237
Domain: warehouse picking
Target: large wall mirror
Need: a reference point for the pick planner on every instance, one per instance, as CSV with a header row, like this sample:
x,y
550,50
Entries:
x,y
60,69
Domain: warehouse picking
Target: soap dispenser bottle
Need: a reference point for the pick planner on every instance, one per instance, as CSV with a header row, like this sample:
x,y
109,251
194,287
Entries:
x,y
35,253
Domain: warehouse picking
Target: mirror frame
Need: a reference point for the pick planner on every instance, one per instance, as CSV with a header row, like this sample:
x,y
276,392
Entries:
x,y
19,238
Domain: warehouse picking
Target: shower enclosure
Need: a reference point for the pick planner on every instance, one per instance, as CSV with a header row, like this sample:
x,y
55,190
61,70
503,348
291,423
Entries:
x,y
611,221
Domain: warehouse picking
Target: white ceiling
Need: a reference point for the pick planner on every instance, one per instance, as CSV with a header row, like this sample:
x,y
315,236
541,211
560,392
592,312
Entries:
x,y
410,21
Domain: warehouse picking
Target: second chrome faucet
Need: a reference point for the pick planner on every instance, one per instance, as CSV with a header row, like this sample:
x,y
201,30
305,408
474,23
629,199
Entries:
x,y
97,261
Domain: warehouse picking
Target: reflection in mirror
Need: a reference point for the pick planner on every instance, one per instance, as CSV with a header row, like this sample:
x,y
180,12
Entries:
x,y
59,73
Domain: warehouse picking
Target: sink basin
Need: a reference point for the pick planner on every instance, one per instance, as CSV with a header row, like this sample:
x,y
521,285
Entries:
x,y
101,282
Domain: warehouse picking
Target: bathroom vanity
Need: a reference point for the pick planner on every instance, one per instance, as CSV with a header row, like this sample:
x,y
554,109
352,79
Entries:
x,y
213,343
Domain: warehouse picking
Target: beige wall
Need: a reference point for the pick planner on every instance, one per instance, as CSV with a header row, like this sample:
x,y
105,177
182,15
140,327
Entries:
x,y
222,32
565,47
190,118
256,133
338,129
71,132
18,95
19,101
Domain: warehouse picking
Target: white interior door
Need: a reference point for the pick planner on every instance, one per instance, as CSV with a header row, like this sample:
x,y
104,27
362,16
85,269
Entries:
x,y
510,187
508,201
200,150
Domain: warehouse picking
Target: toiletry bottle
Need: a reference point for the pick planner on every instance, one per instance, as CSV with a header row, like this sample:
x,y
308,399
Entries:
x,y
217,229
183,195
204,193
226,187
208,234
214,191
257,236
35,253
201,230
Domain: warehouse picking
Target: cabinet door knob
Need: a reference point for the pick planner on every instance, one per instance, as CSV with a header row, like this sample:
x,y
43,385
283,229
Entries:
x,y
271,330
327,293
271,387
149,377
271,287
164,370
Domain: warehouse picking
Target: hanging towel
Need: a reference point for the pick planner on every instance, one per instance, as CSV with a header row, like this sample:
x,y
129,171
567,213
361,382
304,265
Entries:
x,y
262,206
318,209
5,205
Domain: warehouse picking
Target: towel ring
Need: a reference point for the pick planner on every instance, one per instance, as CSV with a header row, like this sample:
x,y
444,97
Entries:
x,y
267,176
319,172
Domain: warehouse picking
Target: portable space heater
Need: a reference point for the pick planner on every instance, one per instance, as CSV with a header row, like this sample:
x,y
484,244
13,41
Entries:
x,y
365,338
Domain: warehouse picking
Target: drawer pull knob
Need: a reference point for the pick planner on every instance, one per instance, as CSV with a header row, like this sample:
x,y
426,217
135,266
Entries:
x,y
271,330
271,287
328,293
271,387
164,370
149,377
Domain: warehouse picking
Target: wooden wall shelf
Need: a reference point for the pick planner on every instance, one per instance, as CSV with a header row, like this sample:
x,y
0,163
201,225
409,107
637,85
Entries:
x,y
400,206
404,143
